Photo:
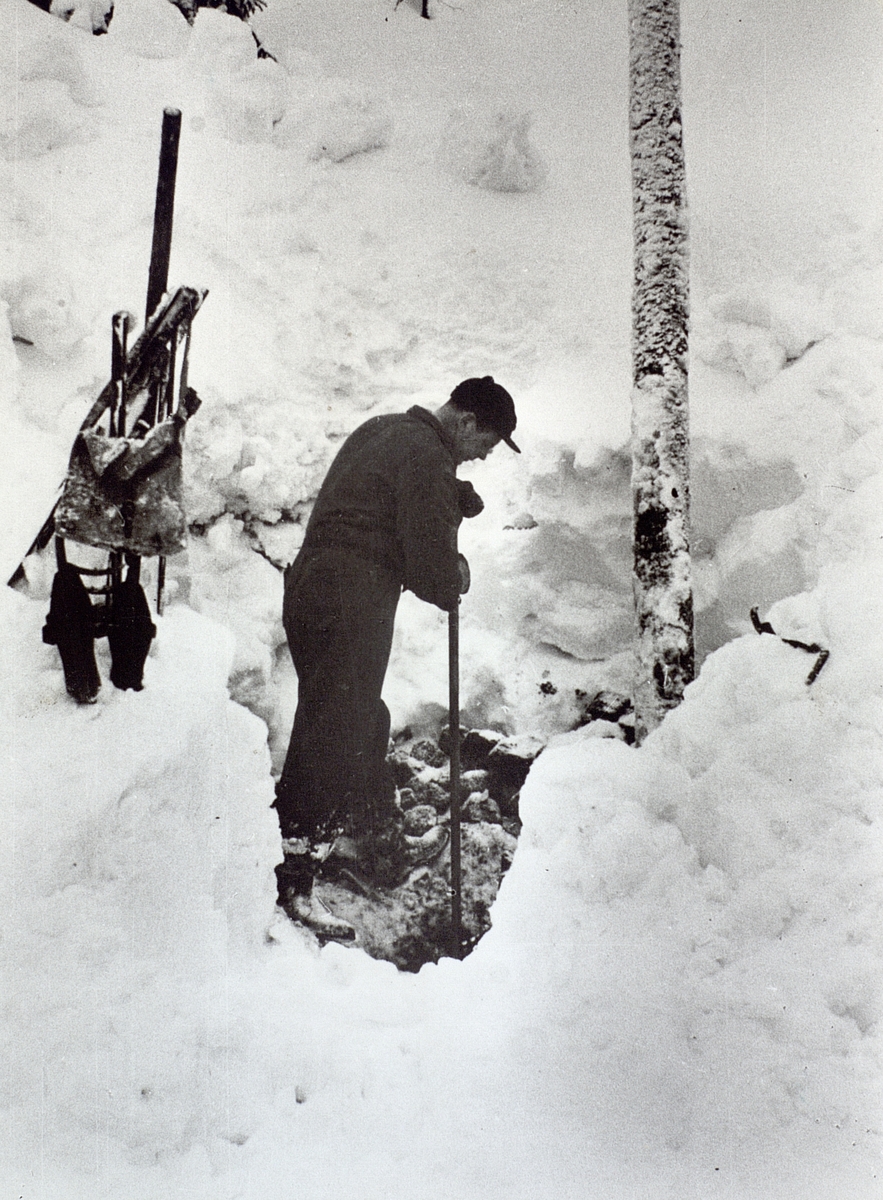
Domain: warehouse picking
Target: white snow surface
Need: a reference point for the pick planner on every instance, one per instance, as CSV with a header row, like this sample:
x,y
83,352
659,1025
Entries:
x,y
680,995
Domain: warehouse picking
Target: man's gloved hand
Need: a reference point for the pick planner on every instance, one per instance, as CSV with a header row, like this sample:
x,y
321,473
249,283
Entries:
x,y
471,504
465,577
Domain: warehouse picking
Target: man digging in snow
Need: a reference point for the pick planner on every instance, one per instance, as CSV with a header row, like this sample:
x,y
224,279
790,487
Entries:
x,y
385,519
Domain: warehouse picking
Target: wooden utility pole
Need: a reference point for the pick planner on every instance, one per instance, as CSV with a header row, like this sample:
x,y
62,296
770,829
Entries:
x,y
660,426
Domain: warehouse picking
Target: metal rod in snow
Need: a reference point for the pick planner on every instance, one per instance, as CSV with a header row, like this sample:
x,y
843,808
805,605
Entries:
x,y
660,425
454,727
161,251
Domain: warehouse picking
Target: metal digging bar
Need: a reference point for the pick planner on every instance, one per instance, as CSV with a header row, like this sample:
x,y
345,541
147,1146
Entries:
x,y
454,728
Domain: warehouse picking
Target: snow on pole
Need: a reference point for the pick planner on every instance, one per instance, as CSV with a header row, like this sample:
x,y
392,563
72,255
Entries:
x,y
660,428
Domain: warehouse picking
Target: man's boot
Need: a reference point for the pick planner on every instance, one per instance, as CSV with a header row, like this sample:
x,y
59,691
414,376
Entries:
x,y
308,910
298,900
367,863
420,851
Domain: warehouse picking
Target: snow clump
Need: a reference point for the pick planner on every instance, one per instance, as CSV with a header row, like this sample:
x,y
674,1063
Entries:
x,y
493,150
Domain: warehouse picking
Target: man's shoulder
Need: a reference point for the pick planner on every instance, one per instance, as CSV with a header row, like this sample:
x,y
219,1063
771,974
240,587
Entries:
x,y
415,428
415,418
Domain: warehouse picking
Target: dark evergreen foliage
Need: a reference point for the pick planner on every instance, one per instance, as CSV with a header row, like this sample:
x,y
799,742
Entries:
x,y
236,8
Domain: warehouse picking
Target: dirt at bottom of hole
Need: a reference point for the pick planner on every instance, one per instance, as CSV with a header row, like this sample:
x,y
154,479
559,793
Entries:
x,y
411,925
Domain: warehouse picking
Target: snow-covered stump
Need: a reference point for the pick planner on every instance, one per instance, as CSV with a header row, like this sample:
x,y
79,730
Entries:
x,y
660,430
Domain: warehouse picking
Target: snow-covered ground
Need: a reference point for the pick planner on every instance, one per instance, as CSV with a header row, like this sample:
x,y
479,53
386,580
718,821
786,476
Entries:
x,y
680,995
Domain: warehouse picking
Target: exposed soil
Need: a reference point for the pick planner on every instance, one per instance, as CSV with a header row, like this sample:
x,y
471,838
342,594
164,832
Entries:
x,y
410,925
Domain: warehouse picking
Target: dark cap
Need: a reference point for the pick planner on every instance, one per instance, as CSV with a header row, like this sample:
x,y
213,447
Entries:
x,y
493,406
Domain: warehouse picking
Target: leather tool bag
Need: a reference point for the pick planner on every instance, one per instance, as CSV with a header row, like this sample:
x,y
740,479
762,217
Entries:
x,y
124,493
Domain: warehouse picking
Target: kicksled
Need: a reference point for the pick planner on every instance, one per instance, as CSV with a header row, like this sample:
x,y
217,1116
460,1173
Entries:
x,y
123,492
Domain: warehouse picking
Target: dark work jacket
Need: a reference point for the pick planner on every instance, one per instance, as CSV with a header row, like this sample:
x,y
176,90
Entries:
x,y
391,498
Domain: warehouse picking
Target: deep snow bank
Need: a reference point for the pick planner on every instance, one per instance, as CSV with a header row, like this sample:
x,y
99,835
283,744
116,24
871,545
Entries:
x,y
710,994
158,1020
685,960
135,873
680,991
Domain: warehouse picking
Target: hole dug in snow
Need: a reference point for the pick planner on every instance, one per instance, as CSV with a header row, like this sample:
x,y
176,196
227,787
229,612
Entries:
x,y
410,924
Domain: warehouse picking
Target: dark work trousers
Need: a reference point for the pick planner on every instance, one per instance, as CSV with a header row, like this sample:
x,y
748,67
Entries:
x,y
338,614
